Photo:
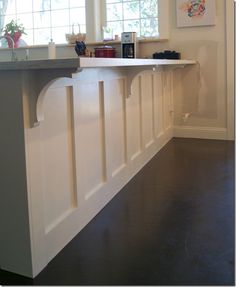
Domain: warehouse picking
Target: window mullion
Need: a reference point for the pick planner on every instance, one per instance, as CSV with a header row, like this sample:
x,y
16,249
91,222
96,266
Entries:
x,y
140,30
94,20
123,19
50,20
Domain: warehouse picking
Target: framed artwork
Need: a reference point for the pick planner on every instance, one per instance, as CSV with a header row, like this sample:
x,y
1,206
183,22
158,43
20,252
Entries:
x,y
195,13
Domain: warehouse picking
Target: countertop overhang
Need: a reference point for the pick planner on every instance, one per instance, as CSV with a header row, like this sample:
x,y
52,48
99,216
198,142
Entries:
x,y
82,62
38,75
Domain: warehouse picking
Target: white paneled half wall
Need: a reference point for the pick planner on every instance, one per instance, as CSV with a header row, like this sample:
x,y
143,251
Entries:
x,y
92,137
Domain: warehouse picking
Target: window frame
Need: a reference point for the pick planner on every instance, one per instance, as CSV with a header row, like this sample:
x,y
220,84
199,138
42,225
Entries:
x,y
124,19
34,12
96,19
95,11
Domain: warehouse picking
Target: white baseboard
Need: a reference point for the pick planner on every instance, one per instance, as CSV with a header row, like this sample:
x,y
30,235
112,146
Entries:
x,y
200,132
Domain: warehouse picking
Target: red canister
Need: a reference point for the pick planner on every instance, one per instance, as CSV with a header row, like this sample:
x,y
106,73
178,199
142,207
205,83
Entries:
x,y
105,52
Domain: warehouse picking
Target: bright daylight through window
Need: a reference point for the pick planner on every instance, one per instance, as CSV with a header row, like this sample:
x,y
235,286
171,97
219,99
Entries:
x,y
46,19
139,16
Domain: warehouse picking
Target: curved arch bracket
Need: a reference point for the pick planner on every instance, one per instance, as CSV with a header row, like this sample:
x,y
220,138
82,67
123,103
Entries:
x,y
133,72
56,83
35,85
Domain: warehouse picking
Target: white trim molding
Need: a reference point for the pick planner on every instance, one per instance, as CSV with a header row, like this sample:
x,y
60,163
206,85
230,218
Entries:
x,y
164,26
230,38
200,132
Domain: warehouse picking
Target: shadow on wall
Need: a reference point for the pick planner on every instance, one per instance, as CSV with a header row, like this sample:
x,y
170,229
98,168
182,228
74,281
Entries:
x,y
198,93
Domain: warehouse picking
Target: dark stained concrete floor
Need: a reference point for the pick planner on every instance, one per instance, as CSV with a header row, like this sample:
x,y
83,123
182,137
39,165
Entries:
x,y
172,224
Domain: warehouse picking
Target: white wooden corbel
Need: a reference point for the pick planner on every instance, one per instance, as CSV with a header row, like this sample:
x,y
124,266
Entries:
x,y
35,85
56,83
133,72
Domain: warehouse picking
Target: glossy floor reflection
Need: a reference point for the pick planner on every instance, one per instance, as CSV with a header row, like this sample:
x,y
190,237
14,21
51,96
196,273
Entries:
x,y
172,224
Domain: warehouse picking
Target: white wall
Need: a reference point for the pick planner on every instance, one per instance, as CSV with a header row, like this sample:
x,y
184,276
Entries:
x,y
204,94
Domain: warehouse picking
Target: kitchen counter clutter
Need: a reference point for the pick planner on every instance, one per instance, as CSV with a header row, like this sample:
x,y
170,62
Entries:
x,y
71,138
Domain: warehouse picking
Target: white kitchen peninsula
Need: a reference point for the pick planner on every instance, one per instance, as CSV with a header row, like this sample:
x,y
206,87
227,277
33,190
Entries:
x,y
73,133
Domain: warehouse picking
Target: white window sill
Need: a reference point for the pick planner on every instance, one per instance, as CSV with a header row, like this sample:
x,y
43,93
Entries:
x,y
113,42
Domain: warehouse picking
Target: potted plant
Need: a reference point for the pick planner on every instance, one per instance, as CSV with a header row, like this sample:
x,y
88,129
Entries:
x,y
14,30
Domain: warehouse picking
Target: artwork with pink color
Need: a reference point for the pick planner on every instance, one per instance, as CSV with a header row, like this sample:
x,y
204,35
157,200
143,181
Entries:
x,y
195,13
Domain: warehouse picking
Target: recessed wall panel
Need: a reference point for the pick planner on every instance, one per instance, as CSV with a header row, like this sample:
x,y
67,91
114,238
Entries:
x,y
147,108
57,153
158,105
134,120
91,132
116,124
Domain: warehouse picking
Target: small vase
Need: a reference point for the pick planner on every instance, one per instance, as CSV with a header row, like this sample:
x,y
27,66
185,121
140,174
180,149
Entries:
x,y
15,39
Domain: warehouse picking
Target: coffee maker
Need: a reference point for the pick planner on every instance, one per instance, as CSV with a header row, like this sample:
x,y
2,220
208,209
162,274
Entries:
x,y
128,45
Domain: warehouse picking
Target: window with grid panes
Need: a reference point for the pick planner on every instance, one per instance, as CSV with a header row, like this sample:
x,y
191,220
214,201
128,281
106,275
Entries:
x,y
44,19
139,16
